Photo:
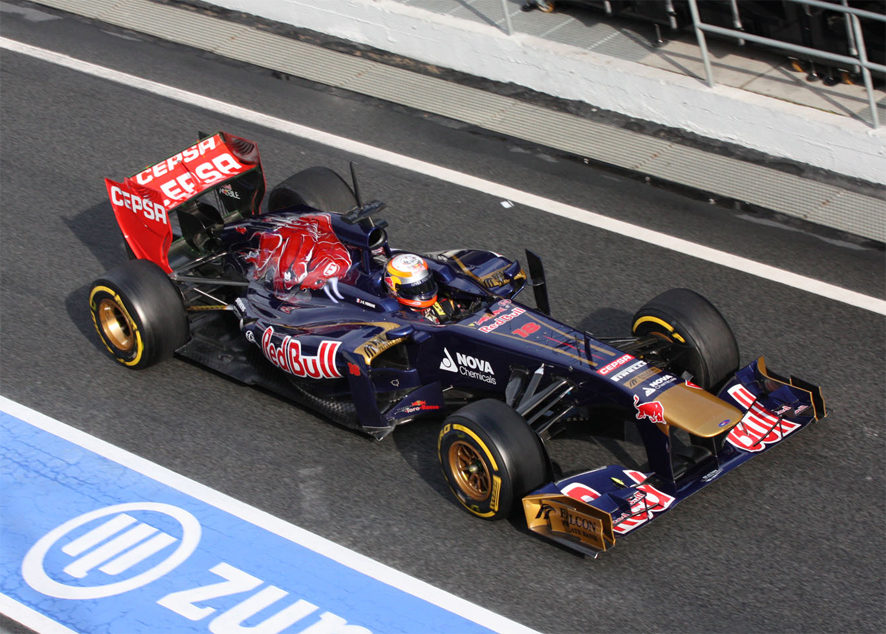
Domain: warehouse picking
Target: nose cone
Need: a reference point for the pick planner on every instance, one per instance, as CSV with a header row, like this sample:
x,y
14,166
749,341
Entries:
x,y
697,412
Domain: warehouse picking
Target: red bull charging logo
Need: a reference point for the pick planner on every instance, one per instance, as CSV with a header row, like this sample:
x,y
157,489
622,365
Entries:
x,y
652,410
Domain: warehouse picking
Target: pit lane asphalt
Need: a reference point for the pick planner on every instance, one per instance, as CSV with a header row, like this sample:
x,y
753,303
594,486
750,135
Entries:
x,y
793,541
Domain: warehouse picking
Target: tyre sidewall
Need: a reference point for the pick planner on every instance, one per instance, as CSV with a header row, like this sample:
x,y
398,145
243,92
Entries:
x,y
105,289
512,452
153,306
683,314
693,362
282,197
499,502
318,187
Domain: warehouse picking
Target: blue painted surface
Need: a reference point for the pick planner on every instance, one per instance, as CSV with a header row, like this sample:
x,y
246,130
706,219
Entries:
x,y
47,481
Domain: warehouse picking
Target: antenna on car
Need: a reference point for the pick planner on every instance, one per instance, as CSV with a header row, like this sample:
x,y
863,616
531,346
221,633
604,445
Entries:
x,y
361,213
356,185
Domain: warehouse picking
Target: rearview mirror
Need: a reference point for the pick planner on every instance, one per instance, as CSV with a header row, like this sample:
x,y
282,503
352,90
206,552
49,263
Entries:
x,y
403,332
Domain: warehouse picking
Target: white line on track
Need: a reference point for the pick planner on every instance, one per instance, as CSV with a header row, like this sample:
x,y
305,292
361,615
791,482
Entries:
x,y
253,515
578,214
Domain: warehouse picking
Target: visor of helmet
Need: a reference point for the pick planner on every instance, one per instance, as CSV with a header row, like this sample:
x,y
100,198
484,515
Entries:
x,y
425,289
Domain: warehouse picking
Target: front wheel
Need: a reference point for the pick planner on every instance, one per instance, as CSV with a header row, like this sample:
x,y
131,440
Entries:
x,y
490,457
685,317
138,313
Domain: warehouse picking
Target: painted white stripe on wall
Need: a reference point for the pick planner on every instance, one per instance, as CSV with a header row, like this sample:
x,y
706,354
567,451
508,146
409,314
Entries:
x,y
766,124
584,216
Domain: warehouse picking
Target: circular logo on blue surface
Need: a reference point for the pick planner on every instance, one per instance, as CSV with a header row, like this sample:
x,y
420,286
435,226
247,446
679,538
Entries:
x,y
118,547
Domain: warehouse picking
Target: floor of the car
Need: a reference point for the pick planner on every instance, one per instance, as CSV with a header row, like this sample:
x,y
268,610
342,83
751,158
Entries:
x,y
217,343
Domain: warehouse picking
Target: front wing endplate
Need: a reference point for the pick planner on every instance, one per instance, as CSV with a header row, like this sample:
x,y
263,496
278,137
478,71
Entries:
x,y
569,521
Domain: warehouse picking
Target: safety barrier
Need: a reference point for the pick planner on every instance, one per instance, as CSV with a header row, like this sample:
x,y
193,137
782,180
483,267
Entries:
x,y
854,36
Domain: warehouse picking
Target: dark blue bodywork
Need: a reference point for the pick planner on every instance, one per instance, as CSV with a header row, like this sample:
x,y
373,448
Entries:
x,y
392,365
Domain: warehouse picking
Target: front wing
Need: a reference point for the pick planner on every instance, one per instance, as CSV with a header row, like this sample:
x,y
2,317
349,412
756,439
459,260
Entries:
x,y
589,511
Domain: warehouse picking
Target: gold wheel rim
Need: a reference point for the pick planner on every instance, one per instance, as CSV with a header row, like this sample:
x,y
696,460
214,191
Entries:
x,y
470,471
116,325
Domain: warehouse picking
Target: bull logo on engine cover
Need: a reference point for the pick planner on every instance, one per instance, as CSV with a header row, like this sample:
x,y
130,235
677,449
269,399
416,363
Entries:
x,y
302,252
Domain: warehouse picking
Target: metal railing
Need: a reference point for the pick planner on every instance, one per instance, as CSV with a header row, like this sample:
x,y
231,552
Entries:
x,y
856,44
504,9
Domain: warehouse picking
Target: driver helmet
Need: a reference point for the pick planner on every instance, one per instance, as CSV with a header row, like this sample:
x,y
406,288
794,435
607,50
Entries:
x,y
409,280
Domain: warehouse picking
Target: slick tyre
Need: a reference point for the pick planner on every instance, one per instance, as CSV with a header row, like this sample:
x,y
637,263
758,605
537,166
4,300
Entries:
x,y
491,458
317,187
138,313
686,317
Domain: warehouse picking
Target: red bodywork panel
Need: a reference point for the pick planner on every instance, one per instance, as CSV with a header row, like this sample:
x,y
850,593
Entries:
x,y
302,252
142,203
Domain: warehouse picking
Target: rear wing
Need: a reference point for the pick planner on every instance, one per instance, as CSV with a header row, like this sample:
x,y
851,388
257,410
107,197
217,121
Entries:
x,y
143,203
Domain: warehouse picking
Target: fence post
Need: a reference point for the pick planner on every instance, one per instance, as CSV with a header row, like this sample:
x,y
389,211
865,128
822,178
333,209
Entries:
x,y
504,9
865,71
702,43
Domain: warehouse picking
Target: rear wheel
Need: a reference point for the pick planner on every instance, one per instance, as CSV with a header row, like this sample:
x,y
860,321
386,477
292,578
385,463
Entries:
x,y
490,457
317,187
686,317
138,313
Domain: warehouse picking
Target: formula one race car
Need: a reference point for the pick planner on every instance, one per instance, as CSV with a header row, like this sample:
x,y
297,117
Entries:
x,y
309,300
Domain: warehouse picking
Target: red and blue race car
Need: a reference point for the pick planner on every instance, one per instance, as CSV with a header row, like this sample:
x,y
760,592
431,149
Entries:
x,y
308,299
